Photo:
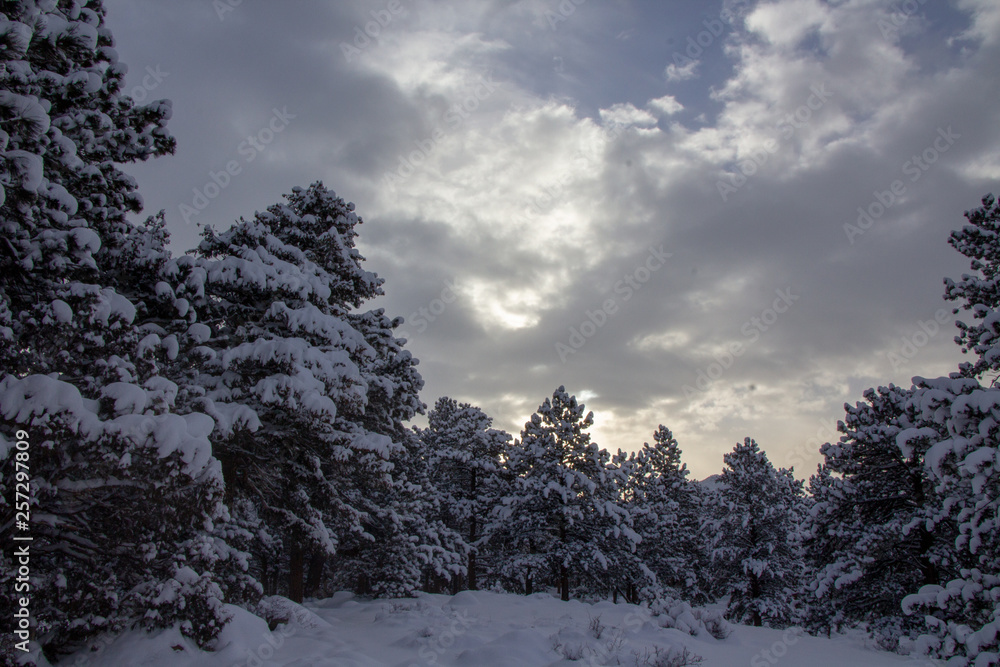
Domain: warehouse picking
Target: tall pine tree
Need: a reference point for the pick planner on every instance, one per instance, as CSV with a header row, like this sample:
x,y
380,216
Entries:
x,y
463,452
756,519
309,394
667,509
877,526
564,516
962,611
125,496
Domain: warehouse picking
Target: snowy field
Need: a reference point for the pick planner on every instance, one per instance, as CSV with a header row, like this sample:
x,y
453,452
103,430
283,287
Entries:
x,y
478,629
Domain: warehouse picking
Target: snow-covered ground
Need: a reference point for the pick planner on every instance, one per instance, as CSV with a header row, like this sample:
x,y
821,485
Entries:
x,y
478,629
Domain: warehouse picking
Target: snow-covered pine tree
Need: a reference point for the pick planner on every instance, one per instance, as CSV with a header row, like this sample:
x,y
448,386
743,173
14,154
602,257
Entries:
x,y
308,394
957,407
876,527
962,611
820,613
66,128
756,524
463,452
667,509
170,334
627,464
122,489
979,292
565,516
961,614
437,549
410,544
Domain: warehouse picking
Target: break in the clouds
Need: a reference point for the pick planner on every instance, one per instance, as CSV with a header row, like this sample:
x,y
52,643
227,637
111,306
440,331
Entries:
x,y
729,218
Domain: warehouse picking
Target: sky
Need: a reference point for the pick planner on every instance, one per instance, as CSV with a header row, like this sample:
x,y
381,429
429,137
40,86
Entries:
x,y
730,218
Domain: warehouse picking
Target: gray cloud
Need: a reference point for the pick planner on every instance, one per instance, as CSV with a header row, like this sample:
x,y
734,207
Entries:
x,y
534,205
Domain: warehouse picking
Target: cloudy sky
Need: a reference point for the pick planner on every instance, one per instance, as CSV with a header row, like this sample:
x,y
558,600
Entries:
x,y
727,217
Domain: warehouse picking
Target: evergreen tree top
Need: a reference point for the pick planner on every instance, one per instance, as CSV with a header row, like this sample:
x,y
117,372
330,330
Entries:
x,y
303,249
561,418
979,292
663,457
463,432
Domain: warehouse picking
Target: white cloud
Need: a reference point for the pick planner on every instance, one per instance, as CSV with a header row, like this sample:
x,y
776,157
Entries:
x,y
986,21
627,114
787,22
683,71
668,340
666,105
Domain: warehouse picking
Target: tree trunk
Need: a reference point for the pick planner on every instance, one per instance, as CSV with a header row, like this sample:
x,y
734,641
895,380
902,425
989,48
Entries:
x,y
230,460
928,570
471,576
527,582
563,570
472,586
755,593
263,575
228,464
317,561
363,586
296,565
